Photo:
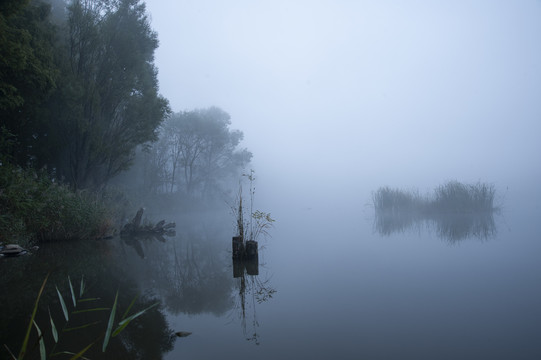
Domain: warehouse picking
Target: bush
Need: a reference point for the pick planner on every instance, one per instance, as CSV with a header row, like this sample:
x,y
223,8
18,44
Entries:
x,y
34,207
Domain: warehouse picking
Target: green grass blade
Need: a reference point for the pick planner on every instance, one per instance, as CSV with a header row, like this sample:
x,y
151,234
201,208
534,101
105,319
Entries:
x,y
27,336
70,353
63,304
53,327
129,307
82,289
81,327
72,293
126,321
110,324
88,299
42,352
80,353
90,310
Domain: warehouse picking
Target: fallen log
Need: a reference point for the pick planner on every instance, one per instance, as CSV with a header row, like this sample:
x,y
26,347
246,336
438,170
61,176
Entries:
x,y
134,227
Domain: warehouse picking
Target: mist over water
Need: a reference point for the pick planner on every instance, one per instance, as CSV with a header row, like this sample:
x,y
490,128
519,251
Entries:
x,y
337,99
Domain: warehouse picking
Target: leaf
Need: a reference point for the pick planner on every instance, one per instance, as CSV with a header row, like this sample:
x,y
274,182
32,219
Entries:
x,y
80,353
72,353
53,327
63,304
125,322
129,307
90,310
82,290
110,324
27,336
88,299
72,293
42,352
81,327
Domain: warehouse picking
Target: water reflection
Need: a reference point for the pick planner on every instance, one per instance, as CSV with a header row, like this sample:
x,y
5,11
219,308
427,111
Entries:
x,y
252,290
449,227
103,278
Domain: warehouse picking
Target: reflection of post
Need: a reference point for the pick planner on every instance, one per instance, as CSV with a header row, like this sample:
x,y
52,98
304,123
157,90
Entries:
x,y
238,268
252,266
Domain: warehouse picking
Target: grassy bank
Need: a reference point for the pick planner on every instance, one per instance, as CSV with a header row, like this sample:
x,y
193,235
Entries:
x,y
34,208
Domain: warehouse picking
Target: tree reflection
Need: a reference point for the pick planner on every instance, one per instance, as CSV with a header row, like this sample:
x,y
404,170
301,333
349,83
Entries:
x,y
449,227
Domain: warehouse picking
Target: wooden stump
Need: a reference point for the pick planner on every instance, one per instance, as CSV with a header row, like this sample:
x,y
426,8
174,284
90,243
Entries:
x,y
251,249
238,247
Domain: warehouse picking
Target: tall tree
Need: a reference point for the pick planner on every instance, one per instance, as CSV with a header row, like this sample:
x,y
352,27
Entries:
x,y
28,73
202,149
111,52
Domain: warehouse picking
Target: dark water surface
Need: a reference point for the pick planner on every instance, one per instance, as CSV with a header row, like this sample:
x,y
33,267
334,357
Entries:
x,y
332,283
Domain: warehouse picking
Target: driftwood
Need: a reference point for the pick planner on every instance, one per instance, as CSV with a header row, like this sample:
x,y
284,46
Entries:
x,y
134,228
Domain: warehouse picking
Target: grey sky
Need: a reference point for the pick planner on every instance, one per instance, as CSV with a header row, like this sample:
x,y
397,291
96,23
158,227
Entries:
x,y
406,93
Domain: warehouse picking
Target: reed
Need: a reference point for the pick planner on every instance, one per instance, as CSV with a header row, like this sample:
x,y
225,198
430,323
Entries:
x,y
457,210
453,197
73,306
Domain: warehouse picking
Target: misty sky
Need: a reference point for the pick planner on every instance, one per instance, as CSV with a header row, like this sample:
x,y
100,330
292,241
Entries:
x,y
403,93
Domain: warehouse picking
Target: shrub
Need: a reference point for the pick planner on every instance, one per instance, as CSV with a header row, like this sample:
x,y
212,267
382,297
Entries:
x,y
34,207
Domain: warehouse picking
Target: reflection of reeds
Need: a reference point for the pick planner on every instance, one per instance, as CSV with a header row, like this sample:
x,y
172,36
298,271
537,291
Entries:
x,y
455,227
458,210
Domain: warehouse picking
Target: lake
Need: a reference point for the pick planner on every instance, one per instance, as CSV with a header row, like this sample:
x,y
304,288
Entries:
x,y
331,284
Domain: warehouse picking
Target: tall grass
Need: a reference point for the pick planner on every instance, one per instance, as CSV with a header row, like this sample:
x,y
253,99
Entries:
x,y
456,209
452,197
456,197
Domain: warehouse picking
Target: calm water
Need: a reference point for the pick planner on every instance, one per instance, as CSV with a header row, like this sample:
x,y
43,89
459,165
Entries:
x,y
332,284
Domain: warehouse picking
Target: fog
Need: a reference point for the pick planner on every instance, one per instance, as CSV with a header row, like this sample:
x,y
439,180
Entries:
x,y
363,93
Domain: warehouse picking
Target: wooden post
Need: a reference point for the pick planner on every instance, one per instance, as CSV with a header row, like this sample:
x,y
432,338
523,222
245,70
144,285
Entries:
x,y
238,247
251,249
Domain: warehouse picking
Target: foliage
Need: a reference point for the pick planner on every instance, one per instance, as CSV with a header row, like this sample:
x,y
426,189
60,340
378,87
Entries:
x,y
71,311
79,91
34,205
197,152
258,223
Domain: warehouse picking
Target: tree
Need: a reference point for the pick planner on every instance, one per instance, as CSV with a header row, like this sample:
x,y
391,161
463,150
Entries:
x,y
28,73
114,88
201,150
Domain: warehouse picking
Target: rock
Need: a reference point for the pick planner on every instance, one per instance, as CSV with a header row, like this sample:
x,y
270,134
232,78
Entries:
x,y
183,333
13,250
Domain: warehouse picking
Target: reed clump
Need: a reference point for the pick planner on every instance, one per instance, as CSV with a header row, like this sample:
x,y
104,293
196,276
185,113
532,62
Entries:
x,y
457,210
452,197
